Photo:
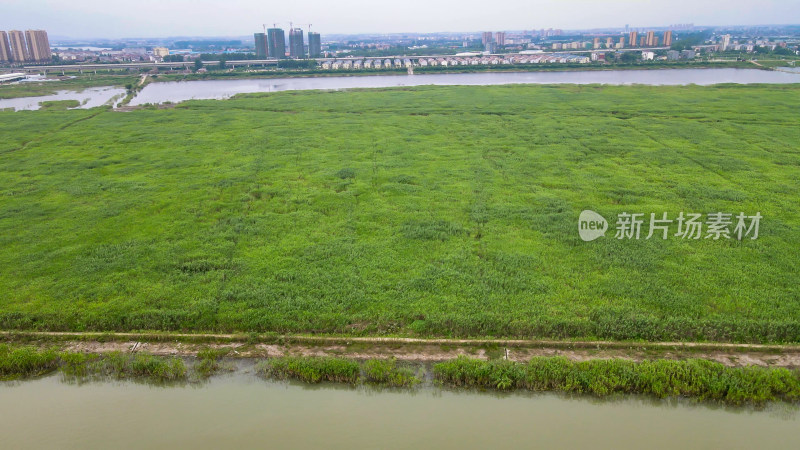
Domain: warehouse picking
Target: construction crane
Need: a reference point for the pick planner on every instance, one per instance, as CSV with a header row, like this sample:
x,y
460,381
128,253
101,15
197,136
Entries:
x,y
291,25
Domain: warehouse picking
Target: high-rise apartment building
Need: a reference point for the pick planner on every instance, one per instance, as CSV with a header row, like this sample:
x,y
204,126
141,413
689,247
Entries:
x,y
19,51
261,45
314,45
38,45
500,38
609,42
668,38
621,42
633,38
650,40
276,43
726,42
296,48
5,48
596,43
487,38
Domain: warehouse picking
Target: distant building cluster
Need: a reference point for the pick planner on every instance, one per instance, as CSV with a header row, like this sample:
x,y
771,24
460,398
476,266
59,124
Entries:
x,y
674,55
19,47
105,55
272,44
726,43
632,39
450,61
492,42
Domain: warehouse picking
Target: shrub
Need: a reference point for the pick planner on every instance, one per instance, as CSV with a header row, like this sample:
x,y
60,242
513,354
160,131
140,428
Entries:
x,y
694,378
386,372
208,361
346,173
26,361
312,369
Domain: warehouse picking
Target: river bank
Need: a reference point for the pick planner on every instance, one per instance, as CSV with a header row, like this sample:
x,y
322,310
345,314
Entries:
x,y
255,345
694,378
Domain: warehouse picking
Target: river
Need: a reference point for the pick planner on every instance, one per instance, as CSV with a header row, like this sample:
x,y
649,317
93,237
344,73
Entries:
x,y
239,410
219,89
178,91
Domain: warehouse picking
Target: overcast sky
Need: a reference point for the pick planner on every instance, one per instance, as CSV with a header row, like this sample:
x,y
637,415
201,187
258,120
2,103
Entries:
x,y
162,18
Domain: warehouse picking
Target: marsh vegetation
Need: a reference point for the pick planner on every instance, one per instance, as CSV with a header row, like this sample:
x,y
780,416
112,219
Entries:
x,y
427,211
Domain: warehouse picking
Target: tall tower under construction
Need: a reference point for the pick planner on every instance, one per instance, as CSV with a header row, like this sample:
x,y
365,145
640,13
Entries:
x,y
261,45
296,48
276,43
314,45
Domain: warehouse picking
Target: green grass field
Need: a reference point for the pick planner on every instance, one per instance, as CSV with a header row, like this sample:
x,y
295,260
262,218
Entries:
x,y
432,211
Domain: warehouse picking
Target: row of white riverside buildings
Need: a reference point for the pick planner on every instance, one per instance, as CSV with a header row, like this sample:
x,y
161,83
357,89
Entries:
x,y
446,61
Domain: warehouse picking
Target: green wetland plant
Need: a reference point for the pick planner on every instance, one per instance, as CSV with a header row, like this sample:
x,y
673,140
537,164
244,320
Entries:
x,y
138,365
444,211
386,372
694,378
209,361
18,362
312,369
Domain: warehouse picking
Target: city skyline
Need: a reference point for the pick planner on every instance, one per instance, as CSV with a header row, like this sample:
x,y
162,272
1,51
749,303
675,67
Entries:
x,y
113,19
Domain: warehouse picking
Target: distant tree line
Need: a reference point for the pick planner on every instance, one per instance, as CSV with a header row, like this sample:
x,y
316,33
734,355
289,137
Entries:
x,y
687,41
227,56
206,44
778,50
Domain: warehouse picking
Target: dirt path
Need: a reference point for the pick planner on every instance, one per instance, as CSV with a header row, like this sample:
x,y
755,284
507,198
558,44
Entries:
x,y
252,346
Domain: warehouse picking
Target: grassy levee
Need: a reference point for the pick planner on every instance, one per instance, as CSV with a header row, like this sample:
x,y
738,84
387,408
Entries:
x,y
427,211
694,378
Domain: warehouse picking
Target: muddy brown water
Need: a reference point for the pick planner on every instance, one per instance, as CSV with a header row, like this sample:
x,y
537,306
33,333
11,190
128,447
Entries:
x,y
240,410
